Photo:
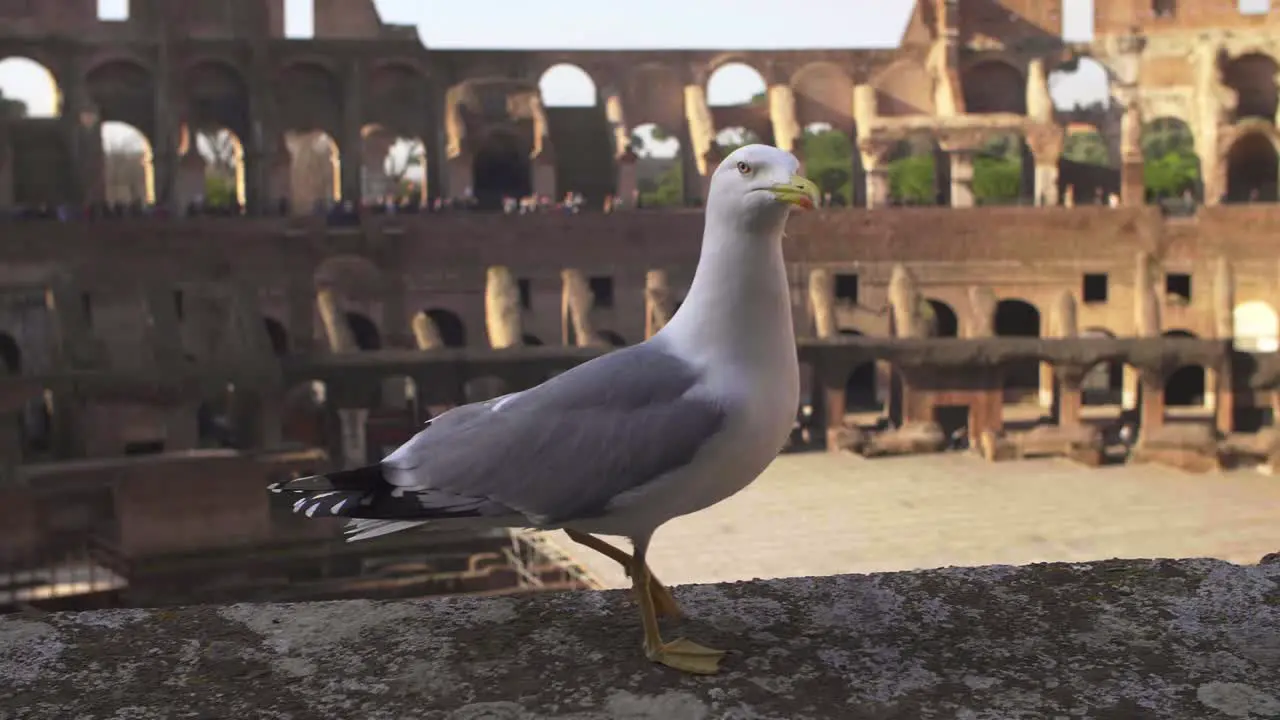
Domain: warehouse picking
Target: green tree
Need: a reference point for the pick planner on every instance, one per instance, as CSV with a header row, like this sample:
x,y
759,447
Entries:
x,y
1170,165
219,190
911,180
1088,148
997,170
828,159
668,191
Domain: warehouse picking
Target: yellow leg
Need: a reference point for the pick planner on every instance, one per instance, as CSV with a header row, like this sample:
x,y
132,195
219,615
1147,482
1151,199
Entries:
x,y
664,602
680,654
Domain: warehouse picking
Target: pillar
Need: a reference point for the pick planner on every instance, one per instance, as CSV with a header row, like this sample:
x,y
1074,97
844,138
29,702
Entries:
x,y
833,406
1132,183
544,176
1152,401
627,187
782,116
613,113
191,172
1224,408
502,312
376,184
658,302
822,302
961,177
877,179
351,145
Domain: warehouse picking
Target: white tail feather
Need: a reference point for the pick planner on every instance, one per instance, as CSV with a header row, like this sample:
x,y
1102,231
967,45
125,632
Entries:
x,y
363,529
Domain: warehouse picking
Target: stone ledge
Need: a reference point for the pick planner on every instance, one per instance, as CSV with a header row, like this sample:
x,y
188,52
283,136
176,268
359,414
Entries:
x,y
1119,639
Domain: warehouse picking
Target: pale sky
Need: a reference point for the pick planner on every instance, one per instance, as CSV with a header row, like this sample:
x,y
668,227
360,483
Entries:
x,y
582,24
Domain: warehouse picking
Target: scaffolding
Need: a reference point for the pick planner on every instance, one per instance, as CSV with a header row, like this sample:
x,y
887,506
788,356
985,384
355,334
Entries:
x,y
531,551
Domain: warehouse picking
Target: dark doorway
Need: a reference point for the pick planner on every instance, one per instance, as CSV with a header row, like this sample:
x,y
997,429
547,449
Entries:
x,y
951,418
945,322
1252,170
1017,318
860,390
364,332
500,170
279,338
1185,387
452,332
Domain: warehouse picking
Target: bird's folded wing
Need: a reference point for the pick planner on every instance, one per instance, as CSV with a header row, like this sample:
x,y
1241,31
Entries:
x,y
564,449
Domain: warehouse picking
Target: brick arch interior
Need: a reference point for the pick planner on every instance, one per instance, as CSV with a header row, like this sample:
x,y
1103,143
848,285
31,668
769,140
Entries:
x,y
945,322
994,86
904,89
453,331
1019,318
277,335
1185,386
10,354
123,91
216,97
309,99
1252,168
1253,79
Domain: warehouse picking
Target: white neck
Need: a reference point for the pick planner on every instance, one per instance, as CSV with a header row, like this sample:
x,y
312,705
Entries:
x,y
738,309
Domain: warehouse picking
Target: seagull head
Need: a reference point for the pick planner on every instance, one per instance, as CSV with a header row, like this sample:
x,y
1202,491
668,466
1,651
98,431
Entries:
x,y
760,184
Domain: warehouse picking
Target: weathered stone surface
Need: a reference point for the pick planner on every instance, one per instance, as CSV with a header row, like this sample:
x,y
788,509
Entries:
x,y
1120,639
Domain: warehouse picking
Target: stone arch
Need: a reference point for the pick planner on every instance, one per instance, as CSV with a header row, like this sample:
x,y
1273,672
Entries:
x,y
994,86
611,338
394,165
945,321
278,336
500,169
1103,384
453,332
32,84
1171,163
1019,318
364,331
128,167
735,83
659,166
396,95
824,94
1255,327
1252,165
309,98
217,96
10,354
905,88
567,85
213,166
1252,77
123,91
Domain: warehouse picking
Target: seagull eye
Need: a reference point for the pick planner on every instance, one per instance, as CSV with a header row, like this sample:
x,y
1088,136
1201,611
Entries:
x,y
744,168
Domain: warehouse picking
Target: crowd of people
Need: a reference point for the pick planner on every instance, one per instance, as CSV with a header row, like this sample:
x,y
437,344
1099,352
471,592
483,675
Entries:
x,y
342,212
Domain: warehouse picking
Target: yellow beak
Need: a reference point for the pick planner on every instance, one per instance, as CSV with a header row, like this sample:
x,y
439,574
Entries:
x,y
801,192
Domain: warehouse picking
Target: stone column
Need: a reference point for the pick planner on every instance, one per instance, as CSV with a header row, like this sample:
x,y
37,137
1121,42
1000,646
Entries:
x,y
575,309
1070,395
502,308
616,117
873,162
1126,51
351,146
658,301
782,115
627,184
702,135
822,301
1219,393
833,406
1045,141
191,171
164,146
961,176
1152,382
544,175
1064,325
352,420
375,183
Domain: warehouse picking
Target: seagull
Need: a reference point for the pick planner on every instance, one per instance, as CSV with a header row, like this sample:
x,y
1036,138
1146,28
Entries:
x,y
625,442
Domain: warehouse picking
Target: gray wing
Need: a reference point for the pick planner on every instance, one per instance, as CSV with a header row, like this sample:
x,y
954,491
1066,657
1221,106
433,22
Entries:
x,y
565,448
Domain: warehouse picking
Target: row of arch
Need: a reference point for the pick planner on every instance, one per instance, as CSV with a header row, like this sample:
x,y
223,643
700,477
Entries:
x,y
1256,329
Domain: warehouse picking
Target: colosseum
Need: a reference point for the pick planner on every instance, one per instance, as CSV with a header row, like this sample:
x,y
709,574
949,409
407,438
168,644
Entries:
x,y
165,363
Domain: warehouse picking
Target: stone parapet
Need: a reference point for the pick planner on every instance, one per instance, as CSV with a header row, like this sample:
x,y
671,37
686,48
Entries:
x,y
1124,639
